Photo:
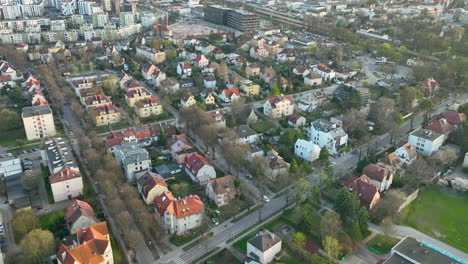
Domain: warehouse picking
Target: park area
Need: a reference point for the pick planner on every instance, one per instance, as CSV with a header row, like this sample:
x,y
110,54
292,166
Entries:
x,y
441,213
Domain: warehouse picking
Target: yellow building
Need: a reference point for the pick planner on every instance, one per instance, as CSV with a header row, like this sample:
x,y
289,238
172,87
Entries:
x,y
188,100
249,87
136,95
148,106
150,185
209,99
106,115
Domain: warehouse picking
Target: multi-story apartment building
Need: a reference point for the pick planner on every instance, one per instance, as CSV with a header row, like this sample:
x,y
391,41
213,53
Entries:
x,y
179,215
327,134
66,184
278,106
38,122
136,95
133,158
152,55
426,141
67,7
100,19
127,18
106,115
148,106
11,11
96,101
106,5
57,154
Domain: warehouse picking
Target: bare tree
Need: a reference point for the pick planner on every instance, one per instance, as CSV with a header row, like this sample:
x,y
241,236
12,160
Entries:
x,y
331,224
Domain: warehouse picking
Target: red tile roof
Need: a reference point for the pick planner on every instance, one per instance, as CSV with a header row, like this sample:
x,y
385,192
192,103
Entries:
x,y
230,92
440,125
196,162
323,68
376,172
77,209
223,185
5,78
455,118
275,99
365,190
63,175
179,208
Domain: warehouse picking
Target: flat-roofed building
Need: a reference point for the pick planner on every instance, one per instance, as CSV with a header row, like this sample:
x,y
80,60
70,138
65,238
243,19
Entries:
x,y
38,122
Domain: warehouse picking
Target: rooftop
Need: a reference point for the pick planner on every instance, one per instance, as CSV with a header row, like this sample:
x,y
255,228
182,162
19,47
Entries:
x,y
36,110
426,134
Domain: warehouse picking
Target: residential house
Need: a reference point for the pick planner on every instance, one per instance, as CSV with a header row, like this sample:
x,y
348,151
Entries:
x,y
268,74
454,118
327,134
286,55
106,115
430,87
407,153
199,169
259,52
209,98
187,100
170,85
264,247
179,215
229,95
219,117
57,154
89,245
278,106
38,122
151,185
6,69
180,148
426,141
392,162
380,177
250,88
7,80
306,150
252,118
324,71
184,69
66,184
157,77
136,95
272,47
186,83
218,54
201,61
132,158
93,101
313,79
205,49
209,82
79,215
221,190
168,171
148,70
252,70
116,138
344,73
152,55
296,121
123,79
301,71
441,126
148,106
246,134
310,102
276,165
367,193
132,84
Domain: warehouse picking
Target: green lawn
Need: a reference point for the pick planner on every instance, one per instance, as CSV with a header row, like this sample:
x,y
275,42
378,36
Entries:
x,y
117,252
382,244
55,223
8,138
262,126
440,213
46,174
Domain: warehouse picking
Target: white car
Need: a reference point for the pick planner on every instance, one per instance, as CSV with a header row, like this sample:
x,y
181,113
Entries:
x,y
266,199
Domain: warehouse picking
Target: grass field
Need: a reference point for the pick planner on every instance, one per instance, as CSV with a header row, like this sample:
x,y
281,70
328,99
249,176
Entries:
x,y
382,244
440,213
9,138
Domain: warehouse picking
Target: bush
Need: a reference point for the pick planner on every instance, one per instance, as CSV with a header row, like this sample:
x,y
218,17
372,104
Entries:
x,y
465,170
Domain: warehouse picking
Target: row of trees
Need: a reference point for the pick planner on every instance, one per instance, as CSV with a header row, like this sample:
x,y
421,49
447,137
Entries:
x,y
36,244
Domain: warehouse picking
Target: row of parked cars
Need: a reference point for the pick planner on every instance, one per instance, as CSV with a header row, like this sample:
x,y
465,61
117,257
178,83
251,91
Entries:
x,y
27,164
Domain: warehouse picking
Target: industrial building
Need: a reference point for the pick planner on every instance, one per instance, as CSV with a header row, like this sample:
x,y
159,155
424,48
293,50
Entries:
x,y
237,19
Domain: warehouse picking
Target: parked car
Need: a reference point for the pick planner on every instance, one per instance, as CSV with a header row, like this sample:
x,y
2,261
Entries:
x,y
214,221
34,149
217,212
38,207
248,176
4,246
266,199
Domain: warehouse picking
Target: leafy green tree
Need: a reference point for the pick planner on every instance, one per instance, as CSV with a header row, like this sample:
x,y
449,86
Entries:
x,y
427,105
362,217
302,187
299,239
332,247
346,203
10,120
324,157
355,232
276,90
37,245
294,166
24,222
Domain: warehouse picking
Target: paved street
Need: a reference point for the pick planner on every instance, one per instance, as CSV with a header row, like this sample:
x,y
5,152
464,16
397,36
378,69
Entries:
x,y
349,161
223,233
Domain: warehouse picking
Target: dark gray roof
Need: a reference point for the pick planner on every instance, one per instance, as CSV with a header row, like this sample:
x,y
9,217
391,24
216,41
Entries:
x,y
264,240
244,131
422,252
59,155
16,192
132,152
36,110
426,134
